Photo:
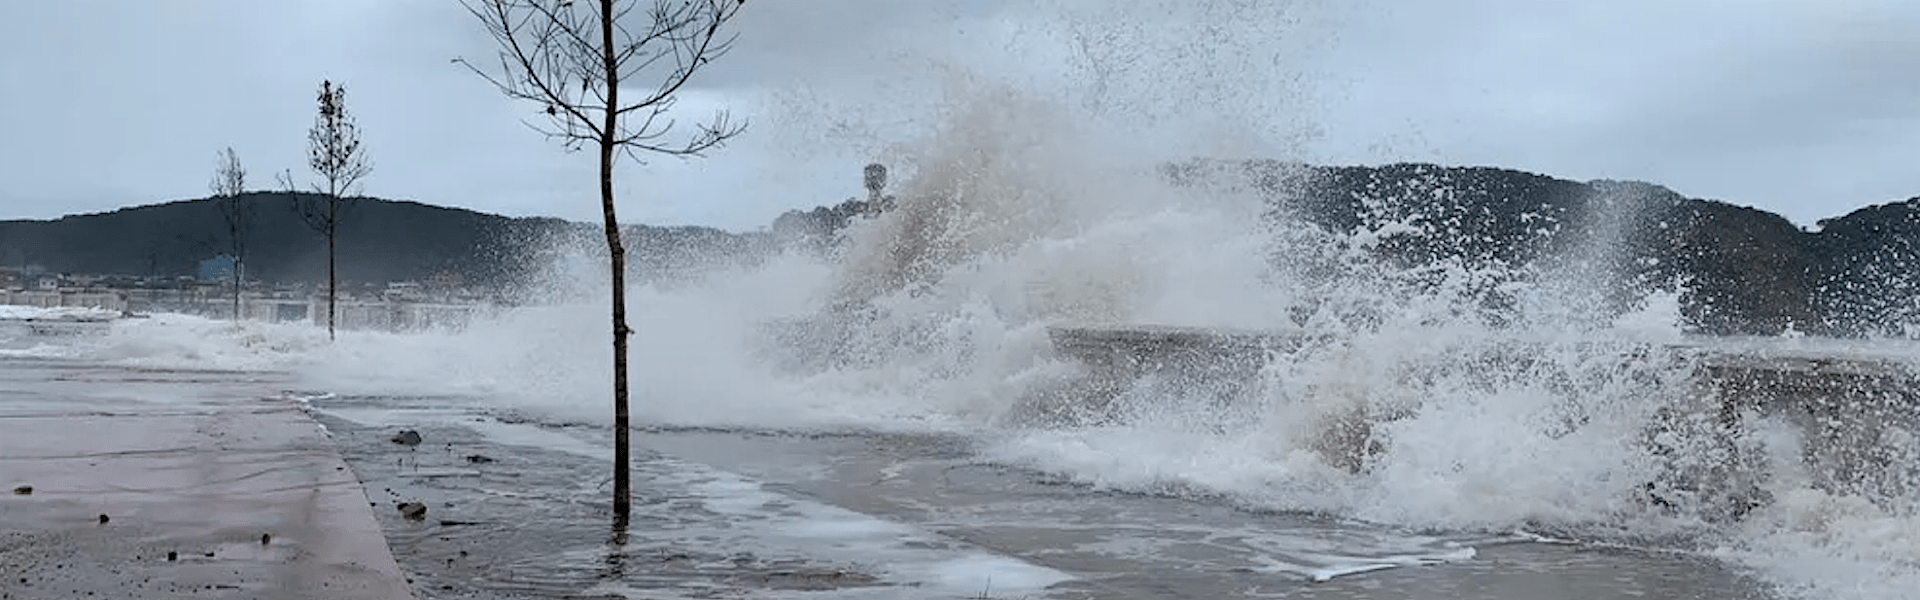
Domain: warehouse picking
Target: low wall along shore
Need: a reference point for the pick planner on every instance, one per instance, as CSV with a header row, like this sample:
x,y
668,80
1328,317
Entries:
x,y
375,315
63,299
1857,413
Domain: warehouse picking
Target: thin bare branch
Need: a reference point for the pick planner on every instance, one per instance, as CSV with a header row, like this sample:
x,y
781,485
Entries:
x,y
527,77
574,61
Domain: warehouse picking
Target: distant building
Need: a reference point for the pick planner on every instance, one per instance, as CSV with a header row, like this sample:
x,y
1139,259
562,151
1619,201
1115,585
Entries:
x,y
217,268
404,290
446,282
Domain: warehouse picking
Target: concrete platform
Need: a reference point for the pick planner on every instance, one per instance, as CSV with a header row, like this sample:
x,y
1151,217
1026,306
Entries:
x,y
1736,373
1857,402
135,495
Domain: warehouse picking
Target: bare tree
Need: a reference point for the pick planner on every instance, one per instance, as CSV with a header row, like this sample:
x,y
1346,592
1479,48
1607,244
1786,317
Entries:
x,y
229,182
335,154
575,59
229,178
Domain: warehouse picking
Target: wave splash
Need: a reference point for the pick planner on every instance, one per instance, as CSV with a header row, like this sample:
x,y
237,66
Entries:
x,y
1451,394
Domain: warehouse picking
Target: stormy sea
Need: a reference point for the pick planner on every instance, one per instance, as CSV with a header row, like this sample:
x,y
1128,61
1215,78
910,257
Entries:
x,y
913,403
896,412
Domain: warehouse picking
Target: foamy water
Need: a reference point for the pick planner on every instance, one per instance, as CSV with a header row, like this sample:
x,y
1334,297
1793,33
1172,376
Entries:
x,y
1410,411
1027,205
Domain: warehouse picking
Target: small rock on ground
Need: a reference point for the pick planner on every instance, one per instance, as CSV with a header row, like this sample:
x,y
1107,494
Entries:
x,y
413,510
407,437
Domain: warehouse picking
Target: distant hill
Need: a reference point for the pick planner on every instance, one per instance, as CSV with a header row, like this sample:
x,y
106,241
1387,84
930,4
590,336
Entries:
x,y
1741,270
380,241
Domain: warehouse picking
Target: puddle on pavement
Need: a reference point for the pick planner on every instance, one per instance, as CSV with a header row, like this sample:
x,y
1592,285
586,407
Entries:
x,y
523,521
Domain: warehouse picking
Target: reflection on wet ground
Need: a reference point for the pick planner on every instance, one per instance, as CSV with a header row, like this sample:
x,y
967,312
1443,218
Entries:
x,y
521,521
518,509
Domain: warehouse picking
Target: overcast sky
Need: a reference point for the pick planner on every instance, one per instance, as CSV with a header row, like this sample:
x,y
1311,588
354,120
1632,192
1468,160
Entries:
x,y
1806,108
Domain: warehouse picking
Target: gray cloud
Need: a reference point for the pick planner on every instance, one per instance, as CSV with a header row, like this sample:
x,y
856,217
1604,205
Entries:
x,y
1806,108
1797,107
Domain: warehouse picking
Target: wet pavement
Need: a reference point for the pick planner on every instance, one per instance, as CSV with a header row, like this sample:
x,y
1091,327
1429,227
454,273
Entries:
x,y
219,484
518,509
124,483
1143,546
507,520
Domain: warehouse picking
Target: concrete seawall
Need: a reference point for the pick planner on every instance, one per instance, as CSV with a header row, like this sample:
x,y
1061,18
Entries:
x,y
1858,416
1858,413
1743,374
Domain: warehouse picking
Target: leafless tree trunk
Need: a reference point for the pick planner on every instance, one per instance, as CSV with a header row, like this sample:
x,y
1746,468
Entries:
x,y
229,182
335,154
572,59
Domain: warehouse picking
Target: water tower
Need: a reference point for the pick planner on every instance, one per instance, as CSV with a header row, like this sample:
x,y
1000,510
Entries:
x,y
876,180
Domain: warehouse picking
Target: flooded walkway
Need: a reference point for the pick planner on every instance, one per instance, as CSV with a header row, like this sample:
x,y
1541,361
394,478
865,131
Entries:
x,y
518,509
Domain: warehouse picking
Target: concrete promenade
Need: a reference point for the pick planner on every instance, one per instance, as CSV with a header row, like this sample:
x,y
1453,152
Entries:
x,y
169,484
